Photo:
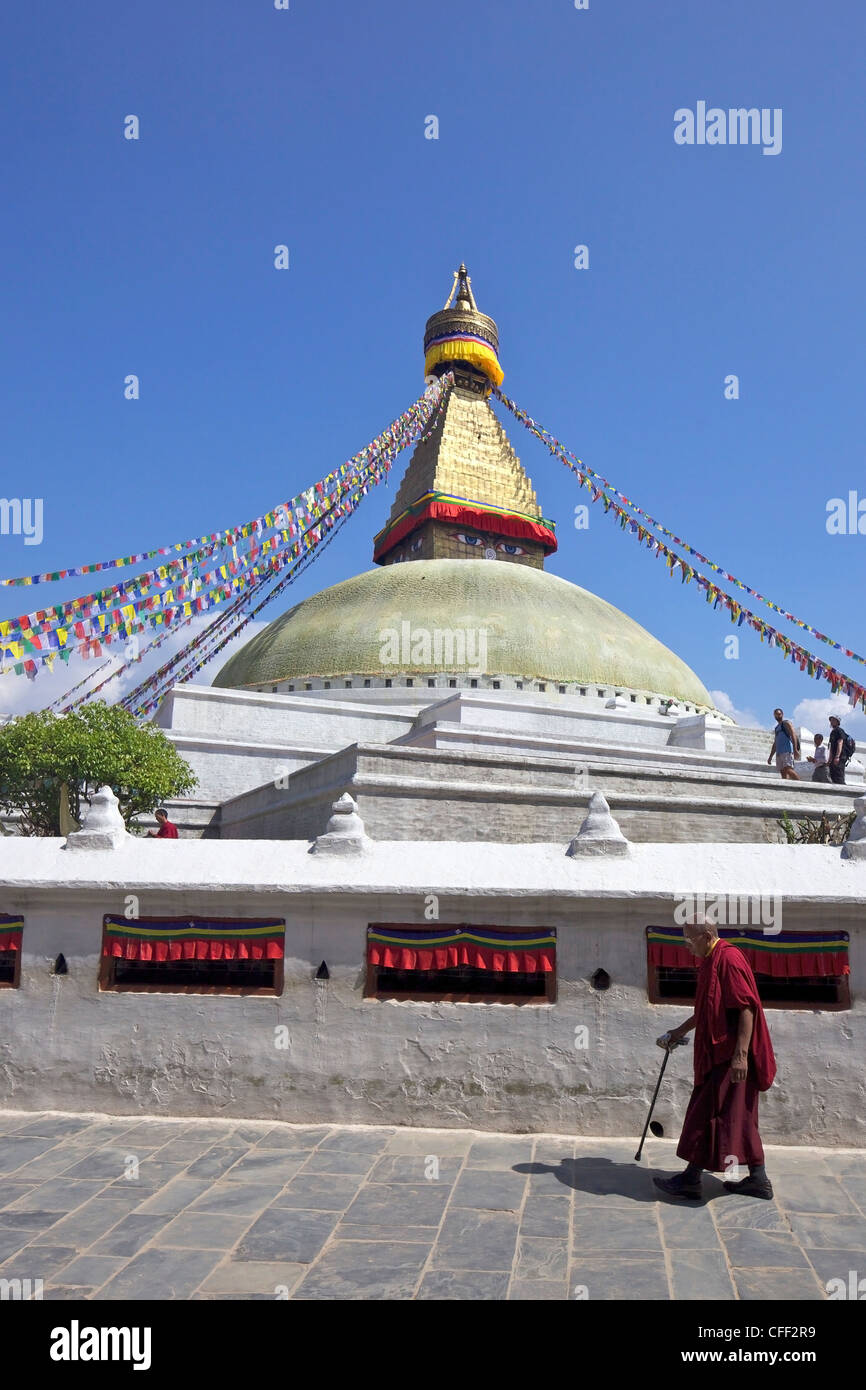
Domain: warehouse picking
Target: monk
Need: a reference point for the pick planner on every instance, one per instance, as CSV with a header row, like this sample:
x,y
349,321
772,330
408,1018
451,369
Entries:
x,y
733,1060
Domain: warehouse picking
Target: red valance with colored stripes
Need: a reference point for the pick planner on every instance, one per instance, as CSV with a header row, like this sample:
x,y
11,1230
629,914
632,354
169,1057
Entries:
x,y
483,948
786,955
10,932
170,938
438,506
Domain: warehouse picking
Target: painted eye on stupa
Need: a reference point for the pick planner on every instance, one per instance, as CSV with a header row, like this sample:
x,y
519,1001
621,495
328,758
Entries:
x,y
510,549
417,544
469,540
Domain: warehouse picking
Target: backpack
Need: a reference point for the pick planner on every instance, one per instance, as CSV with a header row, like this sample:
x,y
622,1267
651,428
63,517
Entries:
x,y
849,747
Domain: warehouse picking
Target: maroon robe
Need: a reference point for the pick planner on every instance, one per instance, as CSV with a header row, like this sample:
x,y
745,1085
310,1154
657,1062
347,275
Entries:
x,y
721,1121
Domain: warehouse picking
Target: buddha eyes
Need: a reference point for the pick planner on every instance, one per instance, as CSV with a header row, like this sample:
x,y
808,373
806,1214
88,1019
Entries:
x,y
506,546
417,544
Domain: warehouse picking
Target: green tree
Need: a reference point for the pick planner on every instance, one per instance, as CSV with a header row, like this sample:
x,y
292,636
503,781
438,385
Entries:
x,y
96,745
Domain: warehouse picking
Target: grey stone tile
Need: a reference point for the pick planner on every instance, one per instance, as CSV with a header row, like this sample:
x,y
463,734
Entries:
x,y
237,1199
183,1150
615,1230
37,1262
463,1286
57,1195
489,1190
750,1213
318,1192
233,1298
332,1161
364,1270
86,1224
108,1164
214,1163
830,1233
293,1236
441,1143
786,1285
700,1275
92,1270
295,1140
612,1184
203,1231
780,1162
762,1250
849,1165
627,1278
816,1195
161,1274
357,1141
855,1187
414,1168
72,1295
476,1240
249,1134
498,1151
415,1204
553,1150
416,1235
54,1162
539,1258
250,1276
688,1227
152,1175
105,1134
174,1197
11,1121
33,1221
261,1165
538,1290
154,1133
10,1191
128,1237
546,1216
15,1153
55,1126
838,1264
13,1240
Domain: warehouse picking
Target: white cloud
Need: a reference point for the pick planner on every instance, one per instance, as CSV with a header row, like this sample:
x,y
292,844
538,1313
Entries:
x,y
746,718
815,714
18,695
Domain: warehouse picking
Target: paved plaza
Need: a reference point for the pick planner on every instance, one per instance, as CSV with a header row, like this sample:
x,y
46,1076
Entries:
x,y
106,1208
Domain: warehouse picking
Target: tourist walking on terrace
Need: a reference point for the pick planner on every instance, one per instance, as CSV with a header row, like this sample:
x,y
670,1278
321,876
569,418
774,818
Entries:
x,y
786,746
733,1060
821,772
840,750
167,829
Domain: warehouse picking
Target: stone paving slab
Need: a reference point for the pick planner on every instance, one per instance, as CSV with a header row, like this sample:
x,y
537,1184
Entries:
x,y
227,1209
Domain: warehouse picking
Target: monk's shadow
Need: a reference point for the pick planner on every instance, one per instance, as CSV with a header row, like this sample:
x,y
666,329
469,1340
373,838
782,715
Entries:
x,y
603,1177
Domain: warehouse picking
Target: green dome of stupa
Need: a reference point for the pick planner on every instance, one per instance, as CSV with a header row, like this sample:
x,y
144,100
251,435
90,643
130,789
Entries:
x,y
537,627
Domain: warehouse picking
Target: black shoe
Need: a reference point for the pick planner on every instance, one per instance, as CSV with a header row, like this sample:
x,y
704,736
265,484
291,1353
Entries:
x,y
752,1187
677,1186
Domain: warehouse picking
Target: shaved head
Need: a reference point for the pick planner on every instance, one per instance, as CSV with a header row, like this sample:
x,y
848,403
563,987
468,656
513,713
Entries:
x,y
699,935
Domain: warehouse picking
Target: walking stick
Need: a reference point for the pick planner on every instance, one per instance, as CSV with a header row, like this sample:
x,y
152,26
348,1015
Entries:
x,y
668,1048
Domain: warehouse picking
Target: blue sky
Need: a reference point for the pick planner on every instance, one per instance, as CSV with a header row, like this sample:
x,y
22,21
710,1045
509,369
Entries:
x,y
306,127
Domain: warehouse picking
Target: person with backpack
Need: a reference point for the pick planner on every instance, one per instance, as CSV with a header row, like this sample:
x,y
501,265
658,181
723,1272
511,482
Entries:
x,y
842,750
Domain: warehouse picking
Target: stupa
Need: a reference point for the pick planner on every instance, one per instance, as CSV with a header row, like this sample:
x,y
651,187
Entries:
x,y
458,669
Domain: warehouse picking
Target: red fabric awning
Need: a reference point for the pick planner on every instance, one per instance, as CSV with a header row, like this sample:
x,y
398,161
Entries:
x,y
494,958
10,941
202,949
779,964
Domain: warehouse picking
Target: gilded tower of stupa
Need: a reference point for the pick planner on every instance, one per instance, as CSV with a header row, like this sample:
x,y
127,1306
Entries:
x,y
465,494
